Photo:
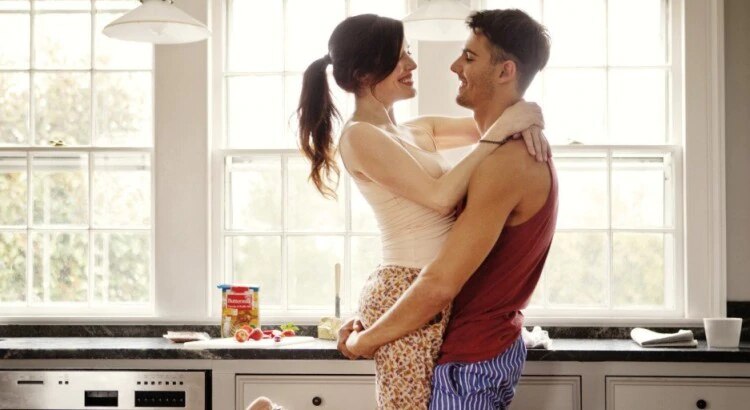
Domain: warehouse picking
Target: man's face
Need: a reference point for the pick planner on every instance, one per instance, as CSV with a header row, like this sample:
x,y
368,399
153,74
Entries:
x,y
476,72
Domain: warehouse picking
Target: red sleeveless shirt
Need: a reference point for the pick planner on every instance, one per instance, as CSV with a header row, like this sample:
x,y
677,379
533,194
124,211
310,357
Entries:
x,y
486,317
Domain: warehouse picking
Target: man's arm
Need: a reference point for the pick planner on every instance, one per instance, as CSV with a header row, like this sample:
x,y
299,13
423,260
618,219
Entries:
x,y
495,190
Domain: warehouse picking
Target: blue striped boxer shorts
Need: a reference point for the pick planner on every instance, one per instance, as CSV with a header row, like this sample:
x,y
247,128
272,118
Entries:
x,y
478,386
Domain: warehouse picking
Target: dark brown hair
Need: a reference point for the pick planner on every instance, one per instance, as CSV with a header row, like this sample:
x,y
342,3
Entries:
x,y
515,36
364,50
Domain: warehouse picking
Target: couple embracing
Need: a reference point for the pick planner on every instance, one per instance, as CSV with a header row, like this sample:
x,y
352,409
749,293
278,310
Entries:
x,y
463,246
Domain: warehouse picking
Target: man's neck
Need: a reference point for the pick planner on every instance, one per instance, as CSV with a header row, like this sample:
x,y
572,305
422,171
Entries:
x,y
486,114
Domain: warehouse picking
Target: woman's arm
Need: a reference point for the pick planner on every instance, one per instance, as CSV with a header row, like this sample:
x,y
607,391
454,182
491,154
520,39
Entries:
x,y
369,152
448,132
455,132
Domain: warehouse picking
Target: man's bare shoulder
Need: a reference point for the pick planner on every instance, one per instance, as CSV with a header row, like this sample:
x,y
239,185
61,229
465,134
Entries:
x,y
511,162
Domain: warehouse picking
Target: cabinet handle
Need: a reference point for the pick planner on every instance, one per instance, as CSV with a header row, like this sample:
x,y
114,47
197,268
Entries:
x,y
701,404
317,401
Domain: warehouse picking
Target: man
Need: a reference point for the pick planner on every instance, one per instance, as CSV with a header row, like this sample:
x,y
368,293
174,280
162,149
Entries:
x,y
494,255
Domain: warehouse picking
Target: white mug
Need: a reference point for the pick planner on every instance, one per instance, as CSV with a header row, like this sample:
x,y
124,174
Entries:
x,y
723,333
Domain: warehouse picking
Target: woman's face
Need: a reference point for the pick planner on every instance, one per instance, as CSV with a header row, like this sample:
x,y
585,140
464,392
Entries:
x,y
399,84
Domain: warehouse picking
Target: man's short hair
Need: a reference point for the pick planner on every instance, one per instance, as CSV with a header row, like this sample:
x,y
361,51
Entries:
x,y
514,36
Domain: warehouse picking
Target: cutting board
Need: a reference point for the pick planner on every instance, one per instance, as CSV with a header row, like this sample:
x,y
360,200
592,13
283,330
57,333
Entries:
x,y
230,343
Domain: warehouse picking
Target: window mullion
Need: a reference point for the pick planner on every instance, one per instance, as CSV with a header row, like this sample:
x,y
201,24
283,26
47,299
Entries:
x,y
90,177
284,237
610,234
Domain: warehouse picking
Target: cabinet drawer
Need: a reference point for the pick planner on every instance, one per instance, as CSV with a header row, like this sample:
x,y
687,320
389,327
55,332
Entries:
x,y
308,392
548,393
677,393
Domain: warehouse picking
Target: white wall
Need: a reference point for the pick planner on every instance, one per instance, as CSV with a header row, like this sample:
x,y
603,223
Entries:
x,y
737,71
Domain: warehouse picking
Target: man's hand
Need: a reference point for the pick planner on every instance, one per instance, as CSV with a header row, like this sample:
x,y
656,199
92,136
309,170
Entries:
x,y
345,331
357,345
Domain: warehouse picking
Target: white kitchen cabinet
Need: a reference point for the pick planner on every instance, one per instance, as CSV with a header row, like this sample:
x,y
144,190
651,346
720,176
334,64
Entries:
x,y
548,393
308,392
677,393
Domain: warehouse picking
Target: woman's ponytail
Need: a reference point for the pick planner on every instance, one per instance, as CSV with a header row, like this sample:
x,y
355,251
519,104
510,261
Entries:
x,y
315,114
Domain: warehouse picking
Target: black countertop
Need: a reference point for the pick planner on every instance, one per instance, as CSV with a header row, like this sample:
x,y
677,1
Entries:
x,y
139,348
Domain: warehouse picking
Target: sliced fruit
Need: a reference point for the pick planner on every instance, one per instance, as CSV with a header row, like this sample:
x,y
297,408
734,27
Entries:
x,y
288,333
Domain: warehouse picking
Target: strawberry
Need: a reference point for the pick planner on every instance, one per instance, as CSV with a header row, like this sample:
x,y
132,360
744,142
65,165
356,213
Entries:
x,y
256,334
241,335
289,327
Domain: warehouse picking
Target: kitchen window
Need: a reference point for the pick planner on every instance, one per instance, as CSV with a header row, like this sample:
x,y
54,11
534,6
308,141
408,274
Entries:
x,y
614,103
76,141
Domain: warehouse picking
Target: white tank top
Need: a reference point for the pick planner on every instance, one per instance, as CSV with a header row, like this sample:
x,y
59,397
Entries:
x,y
411,234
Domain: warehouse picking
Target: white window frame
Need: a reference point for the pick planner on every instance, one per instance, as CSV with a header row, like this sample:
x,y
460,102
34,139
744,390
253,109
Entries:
x,y
23,311
699,201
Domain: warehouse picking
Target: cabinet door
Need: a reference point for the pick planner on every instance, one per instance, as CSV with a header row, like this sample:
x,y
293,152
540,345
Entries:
x,y
548,393
308,392
677,393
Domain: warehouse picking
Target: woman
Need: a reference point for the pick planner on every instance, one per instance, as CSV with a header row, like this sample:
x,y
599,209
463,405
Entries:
x,y
400,173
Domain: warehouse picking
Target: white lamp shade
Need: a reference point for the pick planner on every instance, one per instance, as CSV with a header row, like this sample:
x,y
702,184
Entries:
x,y
438,20
157,22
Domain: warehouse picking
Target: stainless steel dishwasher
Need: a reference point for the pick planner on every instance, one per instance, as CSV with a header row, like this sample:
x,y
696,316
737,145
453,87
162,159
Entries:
x,y
104,389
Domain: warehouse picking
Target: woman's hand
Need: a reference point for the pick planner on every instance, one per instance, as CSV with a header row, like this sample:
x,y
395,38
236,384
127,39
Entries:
x,y
515,119
536,143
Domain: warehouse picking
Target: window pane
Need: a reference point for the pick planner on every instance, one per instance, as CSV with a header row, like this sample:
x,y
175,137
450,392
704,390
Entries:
x,y
303,45
578,29
15,53
311,270
62,5
645,46
308,209
60,189
116,4
576,269
117,54
255,112
256,35
12,267
15,5
583,192
363,218
254,193
642,192
574,105
123,104
62,104
14,108
257,260
639,275
638,94
292,89
13,189
532,7
366,256
395,9
62,40
122,190
122,267
60,261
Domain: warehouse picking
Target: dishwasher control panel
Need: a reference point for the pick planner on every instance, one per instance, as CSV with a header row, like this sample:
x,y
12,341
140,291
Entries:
x,y
104,389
